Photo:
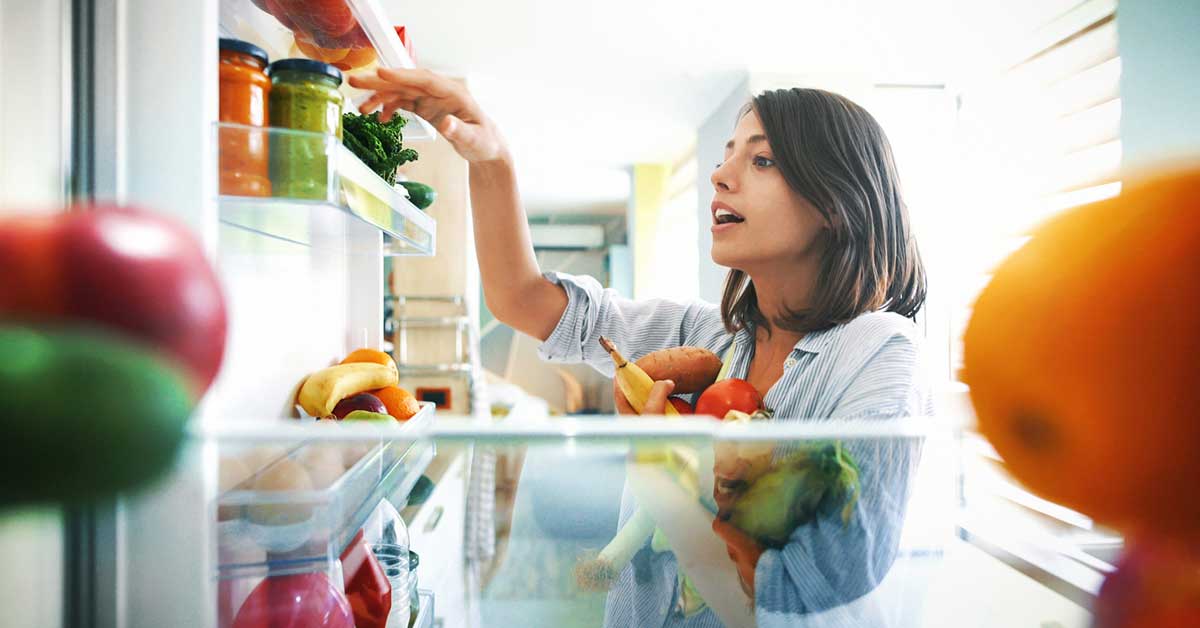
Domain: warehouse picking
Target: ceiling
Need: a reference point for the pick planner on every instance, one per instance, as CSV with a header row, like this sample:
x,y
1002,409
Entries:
x,y
584,89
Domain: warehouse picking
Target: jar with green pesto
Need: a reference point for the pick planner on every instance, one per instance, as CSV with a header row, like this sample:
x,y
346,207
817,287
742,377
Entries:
x,y
304,97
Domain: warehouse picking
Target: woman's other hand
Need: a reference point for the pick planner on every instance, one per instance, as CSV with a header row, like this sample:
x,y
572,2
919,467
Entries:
x,y
656,404
443,102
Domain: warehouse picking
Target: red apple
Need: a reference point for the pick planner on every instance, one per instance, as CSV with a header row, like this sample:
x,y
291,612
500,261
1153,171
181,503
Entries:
x,y
29,256
145,274
361,401
132,271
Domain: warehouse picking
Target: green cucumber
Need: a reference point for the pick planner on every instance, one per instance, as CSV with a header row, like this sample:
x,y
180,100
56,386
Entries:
x,y
419,194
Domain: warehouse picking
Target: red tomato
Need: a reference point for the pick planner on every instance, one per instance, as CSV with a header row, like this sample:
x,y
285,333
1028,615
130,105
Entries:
x,y
320,18
726,395
681,406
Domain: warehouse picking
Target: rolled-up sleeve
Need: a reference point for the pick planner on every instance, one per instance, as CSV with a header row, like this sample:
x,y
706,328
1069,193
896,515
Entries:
x,y
635,327
828,563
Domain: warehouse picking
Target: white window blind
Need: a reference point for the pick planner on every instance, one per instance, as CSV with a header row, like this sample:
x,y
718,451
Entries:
x,y
1041,136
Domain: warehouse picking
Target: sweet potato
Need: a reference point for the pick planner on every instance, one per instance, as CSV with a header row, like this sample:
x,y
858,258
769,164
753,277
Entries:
x,y
691,368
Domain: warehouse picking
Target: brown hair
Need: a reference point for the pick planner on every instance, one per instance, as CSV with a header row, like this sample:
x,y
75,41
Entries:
x,y
834,154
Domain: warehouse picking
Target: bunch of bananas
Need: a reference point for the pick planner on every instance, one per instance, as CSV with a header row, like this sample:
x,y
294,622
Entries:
x,y
321,392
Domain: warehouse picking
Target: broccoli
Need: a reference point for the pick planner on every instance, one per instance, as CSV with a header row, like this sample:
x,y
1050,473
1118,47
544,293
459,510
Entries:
x,y
380,145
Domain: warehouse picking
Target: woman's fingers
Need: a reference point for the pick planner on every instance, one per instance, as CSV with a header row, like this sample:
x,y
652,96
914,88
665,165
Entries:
x,y
657,401
374,83
414,82
423,80
622,403
378,100
444,103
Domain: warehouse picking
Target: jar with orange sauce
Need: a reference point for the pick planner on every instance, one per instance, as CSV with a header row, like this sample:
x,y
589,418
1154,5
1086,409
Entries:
x,y
243,157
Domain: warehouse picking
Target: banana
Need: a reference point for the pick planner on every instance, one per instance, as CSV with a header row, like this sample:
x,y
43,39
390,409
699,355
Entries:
x,y
635,384
325,388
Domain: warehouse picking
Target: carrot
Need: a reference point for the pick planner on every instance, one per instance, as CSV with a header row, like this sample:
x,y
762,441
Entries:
x,y
691,368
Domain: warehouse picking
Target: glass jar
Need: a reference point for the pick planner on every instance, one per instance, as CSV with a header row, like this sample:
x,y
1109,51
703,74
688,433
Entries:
x,y
244,89
304,97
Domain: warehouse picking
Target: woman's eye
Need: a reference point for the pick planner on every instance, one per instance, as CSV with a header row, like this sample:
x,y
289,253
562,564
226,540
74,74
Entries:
x,y
717,166
763,162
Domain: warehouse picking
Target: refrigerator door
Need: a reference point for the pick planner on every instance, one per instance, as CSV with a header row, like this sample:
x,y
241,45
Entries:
x,y
294,306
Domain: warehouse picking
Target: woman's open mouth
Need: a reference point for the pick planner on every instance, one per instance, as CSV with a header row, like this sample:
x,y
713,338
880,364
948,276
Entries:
x,y
724,217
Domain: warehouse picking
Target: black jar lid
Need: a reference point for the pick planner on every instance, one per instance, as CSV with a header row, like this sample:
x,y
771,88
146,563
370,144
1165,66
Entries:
x,y
306,65
244,47
413,561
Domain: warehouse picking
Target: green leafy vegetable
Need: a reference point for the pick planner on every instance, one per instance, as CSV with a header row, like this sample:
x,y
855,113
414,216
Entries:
x,y
378,144
820,479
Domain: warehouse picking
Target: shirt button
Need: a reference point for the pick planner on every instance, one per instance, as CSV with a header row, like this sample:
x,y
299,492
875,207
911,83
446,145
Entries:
x,y
789,363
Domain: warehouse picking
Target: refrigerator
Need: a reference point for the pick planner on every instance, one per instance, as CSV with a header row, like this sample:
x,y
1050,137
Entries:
x,y
122,96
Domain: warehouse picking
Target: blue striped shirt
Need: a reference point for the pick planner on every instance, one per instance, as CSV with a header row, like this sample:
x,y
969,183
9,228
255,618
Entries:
x,y
867,368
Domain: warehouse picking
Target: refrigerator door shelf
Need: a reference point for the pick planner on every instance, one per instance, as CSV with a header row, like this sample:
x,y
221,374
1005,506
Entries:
x,y
305,528
356,36
313,186
425,616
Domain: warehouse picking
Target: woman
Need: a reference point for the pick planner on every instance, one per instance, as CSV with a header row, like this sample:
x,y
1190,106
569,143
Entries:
x,y
824,280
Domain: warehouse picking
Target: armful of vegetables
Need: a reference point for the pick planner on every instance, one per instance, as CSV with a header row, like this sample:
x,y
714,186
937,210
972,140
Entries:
x,y
380,145
818,479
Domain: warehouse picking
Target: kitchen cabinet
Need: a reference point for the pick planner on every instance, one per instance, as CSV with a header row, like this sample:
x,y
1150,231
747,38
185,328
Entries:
x,y
437,529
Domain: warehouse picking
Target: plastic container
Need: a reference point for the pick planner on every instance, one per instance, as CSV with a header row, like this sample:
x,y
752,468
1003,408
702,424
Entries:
x,y
414,597
388,536
298,506
244,89
300,600
394,560
323,31
304,97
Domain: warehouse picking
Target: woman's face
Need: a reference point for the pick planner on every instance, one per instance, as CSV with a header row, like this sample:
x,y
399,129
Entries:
x,y
759,222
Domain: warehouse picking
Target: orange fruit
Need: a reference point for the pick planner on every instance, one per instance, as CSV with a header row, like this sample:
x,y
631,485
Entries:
x,y
373,356
325,55
399,402
1081,358
356,58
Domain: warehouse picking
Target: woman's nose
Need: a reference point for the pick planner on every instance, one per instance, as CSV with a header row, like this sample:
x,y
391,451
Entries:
x,y
722,178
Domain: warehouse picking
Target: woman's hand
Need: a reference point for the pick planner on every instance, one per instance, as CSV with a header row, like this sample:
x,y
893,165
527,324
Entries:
x,y
743,551
655,404
444,103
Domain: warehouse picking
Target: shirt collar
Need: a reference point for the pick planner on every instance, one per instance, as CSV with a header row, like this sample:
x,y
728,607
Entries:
x,y
812,342
816,341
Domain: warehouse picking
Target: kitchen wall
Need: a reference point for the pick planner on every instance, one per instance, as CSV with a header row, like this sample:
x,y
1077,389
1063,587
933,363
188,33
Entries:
x,y
710,149
1160,57
513,356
